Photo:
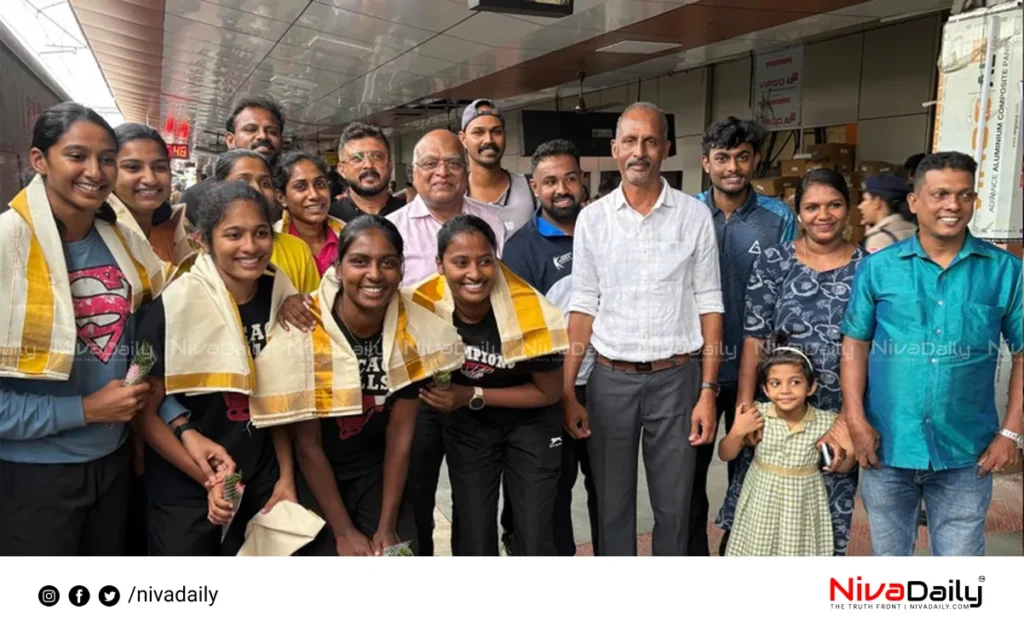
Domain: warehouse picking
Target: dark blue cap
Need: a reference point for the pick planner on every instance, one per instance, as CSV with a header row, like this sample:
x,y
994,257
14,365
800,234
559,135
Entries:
x,y
887,186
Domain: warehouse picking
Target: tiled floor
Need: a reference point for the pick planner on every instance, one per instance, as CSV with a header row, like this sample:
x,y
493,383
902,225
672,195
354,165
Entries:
x,y
1003,530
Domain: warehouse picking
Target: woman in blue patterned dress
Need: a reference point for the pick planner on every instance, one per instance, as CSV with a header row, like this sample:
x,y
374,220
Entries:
x,y
802,288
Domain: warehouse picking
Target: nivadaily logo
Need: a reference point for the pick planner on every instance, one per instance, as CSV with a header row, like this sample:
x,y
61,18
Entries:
x,y
912,594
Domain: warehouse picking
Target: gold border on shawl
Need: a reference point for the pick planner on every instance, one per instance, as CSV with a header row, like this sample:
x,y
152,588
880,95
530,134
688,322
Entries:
x,y
213,380
37,327
147,284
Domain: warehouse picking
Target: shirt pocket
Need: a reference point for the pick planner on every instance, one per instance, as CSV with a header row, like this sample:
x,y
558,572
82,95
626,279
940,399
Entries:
x,y
669,262
980,327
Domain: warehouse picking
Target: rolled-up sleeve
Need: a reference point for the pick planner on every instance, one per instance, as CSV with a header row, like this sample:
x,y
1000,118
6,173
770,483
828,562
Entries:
x,y
859,322
707,274
585,281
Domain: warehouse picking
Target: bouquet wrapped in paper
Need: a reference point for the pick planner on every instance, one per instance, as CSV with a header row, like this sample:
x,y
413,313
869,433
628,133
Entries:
x,y
232,492
443,379
398,549
141,365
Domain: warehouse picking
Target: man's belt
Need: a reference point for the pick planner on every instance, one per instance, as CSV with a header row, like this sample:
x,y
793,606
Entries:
x,y
647,367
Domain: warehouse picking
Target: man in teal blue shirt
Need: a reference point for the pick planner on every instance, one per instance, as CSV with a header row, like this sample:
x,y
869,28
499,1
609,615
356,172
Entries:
x,y
922,334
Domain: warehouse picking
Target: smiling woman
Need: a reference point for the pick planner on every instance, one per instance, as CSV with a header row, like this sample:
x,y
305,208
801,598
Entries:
x,y
304,193
63,458
209,369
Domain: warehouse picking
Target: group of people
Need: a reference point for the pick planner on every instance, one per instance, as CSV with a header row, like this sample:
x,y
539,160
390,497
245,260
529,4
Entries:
x,y
170,372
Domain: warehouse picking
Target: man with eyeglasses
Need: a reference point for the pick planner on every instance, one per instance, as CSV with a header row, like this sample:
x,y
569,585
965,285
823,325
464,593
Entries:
x,y
364,163
439,175
506,194
922,334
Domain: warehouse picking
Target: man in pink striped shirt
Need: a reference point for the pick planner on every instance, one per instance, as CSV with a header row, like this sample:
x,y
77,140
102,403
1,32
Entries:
x,y
440,178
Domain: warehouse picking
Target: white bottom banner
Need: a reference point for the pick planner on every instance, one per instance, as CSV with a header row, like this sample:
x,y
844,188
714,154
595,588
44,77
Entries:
x,y
508,594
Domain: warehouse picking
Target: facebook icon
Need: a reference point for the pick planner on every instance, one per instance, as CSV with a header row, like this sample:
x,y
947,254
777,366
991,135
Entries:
x,y
79,596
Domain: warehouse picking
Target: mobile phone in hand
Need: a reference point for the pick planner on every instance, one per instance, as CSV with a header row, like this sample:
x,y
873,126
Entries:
x,y
826,456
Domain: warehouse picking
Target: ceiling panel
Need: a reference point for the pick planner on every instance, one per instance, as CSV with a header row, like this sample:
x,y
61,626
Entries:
x,y
436,15
175,26
348,64
281,10
355,27
223,17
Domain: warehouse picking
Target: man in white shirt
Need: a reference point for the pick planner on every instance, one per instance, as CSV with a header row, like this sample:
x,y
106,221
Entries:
x,y
647,295
507,194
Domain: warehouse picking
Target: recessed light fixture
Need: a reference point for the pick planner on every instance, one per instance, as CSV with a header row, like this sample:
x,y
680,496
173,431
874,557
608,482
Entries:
x,y
331,44
638,47
293,81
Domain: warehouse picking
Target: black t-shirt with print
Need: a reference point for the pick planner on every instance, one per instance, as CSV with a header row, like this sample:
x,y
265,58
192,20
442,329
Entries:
x,y
222,417
355,444
485,367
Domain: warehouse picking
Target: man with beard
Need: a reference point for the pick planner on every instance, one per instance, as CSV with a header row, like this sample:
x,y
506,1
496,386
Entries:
x,y
509,195
646,293
365,164
746,223
256,123
541,253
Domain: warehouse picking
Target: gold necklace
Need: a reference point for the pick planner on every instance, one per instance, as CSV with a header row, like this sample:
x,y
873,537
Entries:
x,y
829,264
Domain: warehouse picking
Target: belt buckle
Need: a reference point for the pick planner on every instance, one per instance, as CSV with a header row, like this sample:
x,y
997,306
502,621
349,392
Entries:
x,y
643,368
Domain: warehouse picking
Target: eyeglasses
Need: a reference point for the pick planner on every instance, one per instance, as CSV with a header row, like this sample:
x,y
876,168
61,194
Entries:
x,y
359,158
432,164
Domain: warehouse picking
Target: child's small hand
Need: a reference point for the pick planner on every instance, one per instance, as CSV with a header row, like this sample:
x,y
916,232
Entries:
x,y
748,420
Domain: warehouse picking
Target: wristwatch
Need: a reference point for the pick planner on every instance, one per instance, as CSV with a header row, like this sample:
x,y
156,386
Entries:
x,y
1017,438
713,386
188,426
477,401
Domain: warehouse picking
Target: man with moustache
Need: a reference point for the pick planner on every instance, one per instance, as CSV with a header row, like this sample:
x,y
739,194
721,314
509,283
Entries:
x,y
256,123
365,164
646,293
951,297
439,175
541,253
745,224
508,195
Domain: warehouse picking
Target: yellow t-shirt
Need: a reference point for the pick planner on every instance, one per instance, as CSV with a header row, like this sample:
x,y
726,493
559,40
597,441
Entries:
x,y
294,258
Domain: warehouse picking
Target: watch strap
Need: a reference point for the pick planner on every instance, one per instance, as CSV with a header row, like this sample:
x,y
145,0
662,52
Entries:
x,y
180,429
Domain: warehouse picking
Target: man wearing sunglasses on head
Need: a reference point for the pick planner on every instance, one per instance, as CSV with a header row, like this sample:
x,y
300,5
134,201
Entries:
x,y
364,163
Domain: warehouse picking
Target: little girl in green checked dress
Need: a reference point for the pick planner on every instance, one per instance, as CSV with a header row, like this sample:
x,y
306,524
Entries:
x,y
783,508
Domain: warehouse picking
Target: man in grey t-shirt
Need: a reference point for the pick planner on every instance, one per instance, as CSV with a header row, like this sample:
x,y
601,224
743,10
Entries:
x,y
505,193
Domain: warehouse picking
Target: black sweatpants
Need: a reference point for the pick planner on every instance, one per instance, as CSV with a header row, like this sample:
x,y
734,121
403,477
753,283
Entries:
x,y
65,509
424,470
181,527
362,497
527,452
725,404
575,459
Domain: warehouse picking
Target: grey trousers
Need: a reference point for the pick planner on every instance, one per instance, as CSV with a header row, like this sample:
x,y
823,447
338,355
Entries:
x,y
621,406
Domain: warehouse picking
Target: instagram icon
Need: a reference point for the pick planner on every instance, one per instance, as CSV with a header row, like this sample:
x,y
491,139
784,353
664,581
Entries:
x,y
49,596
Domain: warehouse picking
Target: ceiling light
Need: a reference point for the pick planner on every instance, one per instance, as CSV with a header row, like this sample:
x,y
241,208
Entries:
x,y
294,81
638,47
339,46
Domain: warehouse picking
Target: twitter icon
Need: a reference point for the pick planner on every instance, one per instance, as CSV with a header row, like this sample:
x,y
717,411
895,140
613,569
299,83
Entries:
x,y
109,596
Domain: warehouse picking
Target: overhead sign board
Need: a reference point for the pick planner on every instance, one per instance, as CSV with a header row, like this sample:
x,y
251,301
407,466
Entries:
x,y
778,88
539,8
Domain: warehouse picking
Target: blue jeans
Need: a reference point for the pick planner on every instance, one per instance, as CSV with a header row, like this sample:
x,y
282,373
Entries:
x,y
956,502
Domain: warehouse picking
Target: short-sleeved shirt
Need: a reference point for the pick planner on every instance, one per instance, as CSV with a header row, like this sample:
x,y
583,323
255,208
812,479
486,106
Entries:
x,y
485,367
346,210
935,339
515,206
760,223
354,445
222,417
541,254
785,295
